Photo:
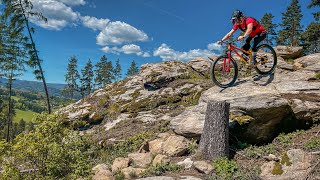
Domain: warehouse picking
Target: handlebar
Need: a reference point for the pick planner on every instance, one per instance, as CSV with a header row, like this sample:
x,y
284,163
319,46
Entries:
x,y
229,42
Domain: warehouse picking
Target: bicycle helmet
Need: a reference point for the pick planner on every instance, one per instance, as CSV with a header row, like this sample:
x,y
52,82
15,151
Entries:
x,y
237,14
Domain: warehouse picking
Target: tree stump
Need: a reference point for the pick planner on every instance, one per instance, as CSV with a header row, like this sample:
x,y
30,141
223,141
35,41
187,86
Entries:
x,y
214,142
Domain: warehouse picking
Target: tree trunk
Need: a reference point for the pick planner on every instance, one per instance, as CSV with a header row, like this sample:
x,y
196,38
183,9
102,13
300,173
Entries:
x,y
38,60
214,141
9,120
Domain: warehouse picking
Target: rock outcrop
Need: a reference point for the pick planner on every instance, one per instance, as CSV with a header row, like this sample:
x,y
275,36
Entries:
x,y
287,52
261,105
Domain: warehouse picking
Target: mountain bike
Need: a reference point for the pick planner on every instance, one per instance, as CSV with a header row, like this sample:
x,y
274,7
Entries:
x,y
224,70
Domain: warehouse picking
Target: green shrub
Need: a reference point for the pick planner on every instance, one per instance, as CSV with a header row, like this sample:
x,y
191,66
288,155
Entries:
x,y
119,175
312,144
122,148
225,168
317,76
160,169
287,139
53,150
258,151
192,147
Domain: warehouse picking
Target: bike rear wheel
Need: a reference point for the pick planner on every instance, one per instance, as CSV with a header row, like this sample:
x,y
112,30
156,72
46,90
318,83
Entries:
x,y
224,72
266,59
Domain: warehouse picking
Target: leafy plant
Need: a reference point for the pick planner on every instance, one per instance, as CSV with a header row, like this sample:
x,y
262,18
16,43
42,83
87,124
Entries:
x,y
258,151
225,168
312,144
51,150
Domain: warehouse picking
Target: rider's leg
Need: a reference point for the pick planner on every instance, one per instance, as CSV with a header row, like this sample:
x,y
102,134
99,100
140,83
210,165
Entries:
x,y
246,46
256,41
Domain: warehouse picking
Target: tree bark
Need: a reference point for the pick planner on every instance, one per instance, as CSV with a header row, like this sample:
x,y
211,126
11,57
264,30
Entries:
x,y
214,141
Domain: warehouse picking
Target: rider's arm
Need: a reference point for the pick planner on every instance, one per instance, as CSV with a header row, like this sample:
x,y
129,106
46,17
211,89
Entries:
x,y
228,35
249,30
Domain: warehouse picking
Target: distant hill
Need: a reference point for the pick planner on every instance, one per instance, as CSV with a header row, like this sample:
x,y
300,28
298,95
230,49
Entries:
x,y
54,89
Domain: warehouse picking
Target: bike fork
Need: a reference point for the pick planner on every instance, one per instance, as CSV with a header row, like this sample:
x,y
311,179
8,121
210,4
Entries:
x,y
226,63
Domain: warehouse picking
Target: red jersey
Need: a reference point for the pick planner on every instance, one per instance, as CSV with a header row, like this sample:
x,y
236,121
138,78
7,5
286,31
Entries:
x,y
257,28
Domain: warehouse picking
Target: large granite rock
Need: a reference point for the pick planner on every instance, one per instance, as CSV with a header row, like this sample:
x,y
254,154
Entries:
x,y
261,106
288,52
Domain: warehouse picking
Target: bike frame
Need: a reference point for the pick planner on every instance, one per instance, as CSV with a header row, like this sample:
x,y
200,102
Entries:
x,y
234,49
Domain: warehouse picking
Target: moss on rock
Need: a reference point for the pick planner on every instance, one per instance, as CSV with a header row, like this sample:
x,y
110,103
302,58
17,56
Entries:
x,y
277,169
285,159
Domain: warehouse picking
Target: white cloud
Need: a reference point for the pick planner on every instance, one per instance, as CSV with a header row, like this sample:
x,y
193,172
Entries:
x,y
126,49
214,46
146,54
116,33
131,49
166,53
94,23
59,15
73,2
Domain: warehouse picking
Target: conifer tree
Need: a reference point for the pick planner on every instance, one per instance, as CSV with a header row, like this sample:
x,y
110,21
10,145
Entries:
x,y
315,3
72,77
104,72
13,53
86,80
133,69
117,71
23,10
311,38
266,21
291,27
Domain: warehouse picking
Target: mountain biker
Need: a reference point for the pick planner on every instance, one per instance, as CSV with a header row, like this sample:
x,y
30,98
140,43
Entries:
x,y
251,28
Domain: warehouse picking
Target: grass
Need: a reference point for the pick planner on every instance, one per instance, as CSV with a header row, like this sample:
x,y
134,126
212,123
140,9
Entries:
x,y
15,98
25,115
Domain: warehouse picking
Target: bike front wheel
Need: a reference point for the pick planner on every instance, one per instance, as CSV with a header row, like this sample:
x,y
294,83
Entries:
x,y
266,59
224,71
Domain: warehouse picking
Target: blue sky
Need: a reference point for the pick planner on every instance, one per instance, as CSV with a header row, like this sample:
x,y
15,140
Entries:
x,y
146,31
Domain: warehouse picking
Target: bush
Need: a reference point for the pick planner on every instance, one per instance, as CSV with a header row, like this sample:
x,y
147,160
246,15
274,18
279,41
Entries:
x,y
51,151
313,144
225,168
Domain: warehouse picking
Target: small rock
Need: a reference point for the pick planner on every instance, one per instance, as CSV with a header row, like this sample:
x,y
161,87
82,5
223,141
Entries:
x,y
131,173
203,167
155,146
160,159
120,163
101,172
175,145
271,157
141,160
187,163
163,135
94,117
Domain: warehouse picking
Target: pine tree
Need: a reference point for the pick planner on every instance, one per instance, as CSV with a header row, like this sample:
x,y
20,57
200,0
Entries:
x,y
86,80
13,53
104,72
72,77
133,69
23,10
117,71
266,21
315,3
291,32
311,39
